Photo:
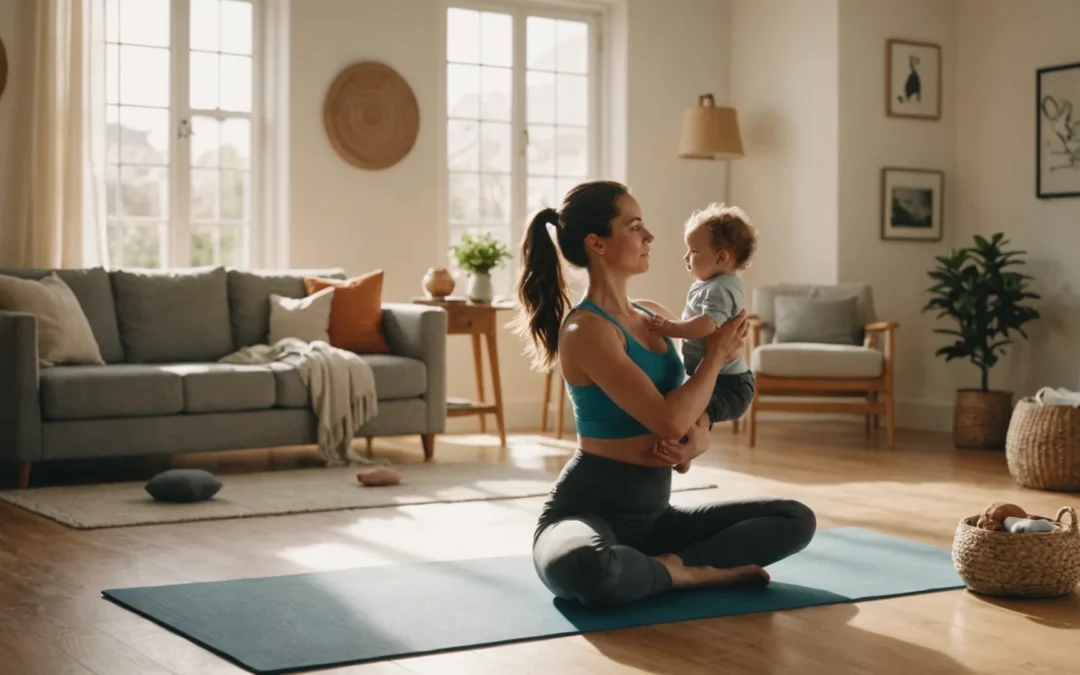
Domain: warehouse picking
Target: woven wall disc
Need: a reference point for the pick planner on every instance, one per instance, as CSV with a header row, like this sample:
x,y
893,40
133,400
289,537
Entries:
x,y
371,116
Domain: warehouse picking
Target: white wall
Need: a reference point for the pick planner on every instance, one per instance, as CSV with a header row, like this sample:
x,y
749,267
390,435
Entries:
x,y
8,131
869,140
360,220
784,83
1001,44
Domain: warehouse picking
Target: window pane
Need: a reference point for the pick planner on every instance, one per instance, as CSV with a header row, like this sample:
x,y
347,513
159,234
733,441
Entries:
x,y
144,22
144,192
539,97
112,134
112,189
540,43
112,20
541,194
463,35
495,146
142,245
112,74
234,192
204,81
572,99
232,246
205,25
204,194
236,144
563,186
462,146
496,39
464,196
144,135
498,93
236,27
573,152
204,246
541,153
463,91
236,83
495,198
572,53
144,76
205,141
114,239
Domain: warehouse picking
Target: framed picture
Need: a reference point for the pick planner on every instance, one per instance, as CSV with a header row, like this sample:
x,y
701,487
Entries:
x,y
1057,158
913,79
911,204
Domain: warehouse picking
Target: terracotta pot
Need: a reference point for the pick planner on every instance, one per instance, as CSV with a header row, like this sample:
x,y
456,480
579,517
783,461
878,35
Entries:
x,y
981,419
438,282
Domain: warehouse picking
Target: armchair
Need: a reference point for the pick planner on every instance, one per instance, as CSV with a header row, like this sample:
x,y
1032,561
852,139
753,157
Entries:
x,y
821,342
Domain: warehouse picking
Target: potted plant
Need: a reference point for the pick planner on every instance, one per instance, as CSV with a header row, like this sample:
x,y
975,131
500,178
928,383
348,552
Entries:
x,y
478,255
974,287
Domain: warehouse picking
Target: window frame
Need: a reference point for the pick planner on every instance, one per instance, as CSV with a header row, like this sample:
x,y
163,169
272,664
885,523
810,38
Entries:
x,y
589,13
180,227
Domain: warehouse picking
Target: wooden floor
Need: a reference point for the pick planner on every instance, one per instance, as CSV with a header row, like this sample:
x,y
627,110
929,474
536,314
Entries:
x,y
54,622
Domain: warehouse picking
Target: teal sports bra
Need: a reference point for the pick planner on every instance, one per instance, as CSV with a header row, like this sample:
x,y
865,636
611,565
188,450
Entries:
x,y
595,414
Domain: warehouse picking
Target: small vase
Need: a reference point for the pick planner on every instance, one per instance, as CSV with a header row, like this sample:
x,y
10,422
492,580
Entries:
x,y
480,289
438,282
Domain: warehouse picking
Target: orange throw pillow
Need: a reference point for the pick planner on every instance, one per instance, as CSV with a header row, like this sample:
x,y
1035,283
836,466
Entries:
x,y
355,312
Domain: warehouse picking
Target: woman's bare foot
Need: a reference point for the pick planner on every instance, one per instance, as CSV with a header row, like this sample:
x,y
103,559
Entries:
x,y
745,576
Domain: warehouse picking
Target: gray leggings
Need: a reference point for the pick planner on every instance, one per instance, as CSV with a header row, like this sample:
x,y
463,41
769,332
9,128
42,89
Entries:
x,y
605,520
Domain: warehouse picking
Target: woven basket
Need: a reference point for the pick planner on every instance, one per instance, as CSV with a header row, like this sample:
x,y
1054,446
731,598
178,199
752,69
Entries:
x,y
1043,446
1022,564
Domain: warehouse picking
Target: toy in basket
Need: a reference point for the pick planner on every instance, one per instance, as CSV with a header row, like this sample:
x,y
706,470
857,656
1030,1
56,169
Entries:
x,y
1005,551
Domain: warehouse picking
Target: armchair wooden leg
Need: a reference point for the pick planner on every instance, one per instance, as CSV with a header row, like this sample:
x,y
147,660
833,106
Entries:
x,y
547,402
752,425
428,440
890,418
561,408
24,475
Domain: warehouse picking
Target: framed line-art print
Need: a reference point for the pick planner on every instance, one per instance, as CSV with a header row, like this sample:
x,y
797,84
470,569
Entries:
x,y
912,204
1057,131
912,79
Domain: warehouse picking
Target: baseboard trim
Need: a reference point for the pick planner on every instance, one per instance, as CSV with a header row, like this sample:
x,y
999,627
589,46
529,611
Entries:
x,y
918,414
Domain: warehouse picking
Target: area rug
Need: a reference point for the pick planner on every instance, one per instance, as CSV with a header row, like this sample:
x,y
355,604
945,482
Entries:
x,y
272,493
290,623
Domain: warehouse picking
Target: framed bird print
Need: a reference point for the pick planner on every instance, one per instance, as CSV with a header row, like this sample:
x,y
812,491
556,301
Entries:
x,y
913,79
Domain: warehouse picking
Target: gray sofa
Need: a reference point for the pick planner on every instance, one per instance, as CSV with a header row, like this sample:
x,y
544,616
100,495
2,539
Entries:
x,y
162,391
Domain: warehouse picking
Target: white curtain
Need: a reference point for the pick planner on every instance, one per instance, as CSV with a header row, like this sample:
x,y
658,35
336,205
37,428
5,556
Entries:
x,y
58,175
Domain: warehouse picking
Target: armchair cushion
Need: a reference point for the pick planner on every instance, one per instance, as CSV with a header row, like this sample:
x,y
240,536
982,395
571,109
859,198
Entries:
x,y
764,300
817,361
818,320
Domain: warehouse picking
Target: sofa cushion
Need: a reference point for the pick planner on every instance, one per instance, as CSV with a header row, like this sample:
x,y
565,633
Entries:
x,y
249,299
173,315
807,360
93,289
224,387
183,485
820,320
355,313
396,377
119,390
63,332
306,319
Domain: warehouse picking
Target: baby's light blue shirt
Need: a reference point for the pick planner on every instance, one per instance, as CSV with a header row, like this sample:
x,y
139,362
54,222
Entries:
x,y
721,297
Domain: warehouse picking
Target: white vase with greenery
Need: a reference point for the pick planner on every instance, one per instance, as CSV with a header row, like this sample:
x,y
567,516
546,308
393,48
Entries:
x,y
478,255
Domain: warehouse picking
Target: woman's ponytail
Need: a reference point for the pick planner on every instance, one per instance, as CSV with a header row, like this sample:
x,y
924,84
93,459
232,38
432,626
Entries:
x,y
542,291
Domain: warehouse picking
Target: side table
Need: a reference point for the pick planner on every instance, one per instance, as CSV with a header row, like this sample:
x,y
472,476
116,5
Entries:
x,y
476,320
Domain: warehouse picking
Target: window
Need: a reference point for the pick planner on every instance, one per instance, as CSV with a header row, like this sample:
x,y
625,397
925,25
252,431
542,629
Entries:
x,y
180,111
521,111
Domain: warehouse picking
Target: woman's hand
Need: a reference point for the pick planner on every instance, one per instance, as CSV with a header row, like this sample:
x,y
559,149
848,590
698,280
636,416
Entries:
x,y
727,339
674,451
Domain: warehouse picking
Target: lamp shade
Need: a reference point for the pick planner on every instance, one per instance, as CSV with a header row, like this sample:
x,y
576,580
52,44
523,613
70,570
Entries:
x,y
710,132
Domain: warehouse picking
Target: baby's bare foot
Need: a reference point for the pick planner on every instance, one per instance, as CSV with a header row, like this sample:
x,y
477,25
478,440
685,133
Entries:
x,y
682,468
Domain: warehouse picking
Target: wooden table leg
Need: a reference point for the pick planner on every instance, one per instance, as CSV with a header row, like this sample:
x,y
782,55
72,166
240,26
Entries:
x,y
547,401
478,364
493,357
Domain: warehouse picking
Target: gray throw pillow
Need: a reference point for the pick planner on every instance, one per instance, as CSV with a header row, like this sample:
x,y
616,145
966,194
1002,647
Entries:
x,y
817,320
183,485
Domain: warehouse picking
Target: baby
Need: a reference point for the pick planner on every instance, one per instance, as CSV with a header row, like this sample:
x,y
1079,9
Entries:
x,y
719,242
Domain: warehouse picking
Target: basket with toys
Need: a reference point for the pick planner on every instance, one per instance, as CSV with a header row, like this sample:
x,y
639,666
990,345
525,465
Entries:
x,y
1005,551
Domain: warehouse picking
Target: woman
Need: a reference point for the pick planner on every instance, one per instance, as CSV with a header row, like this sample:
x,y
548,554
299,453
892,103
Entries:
x,y
608,533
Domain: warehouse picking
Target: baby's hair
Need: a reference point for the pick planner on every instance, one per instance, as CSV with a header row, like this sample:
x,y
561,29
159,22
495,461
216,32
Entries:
x,y
729,228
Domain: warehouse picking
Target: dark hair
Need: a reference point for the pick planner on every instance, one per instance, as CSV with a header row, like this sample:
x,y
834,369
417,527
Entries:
x,y
588,208
729,229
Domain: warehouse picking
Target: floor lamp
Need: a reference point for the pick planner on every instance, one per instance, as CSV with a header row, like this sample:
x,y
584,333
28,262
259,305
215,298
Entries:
x,y
712,133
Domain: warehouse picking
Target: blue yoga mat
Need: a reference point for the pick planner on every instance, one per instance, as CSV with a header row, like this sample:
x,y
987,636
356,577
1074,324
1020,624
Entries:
x,y
318,620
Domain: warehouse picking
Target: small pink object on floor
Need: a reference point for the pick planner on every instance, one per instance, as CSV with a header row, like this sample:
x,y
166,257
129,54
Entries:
x,y
383,475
